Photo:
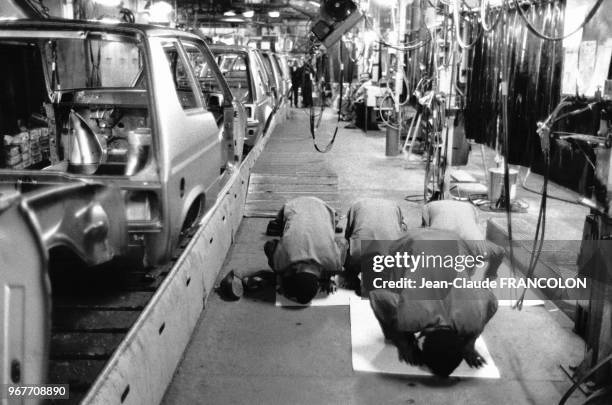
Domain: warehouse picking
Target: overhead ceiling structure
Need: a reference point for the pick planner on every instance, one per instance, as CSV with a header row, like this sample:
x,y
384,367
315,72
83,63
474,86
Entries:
x,y
247,11
22,9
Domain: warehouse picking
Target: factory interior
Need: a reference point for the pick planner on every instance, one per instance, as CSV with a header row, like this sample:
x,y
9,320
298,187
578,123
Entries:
x,y
305,202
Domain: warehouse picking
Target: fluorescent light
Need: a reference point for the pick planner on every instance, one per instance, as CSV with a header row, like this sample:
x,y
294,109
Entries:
x,y
108,3
232,19
160,12
108,20
229,13
274,14
314,3
248,14
387,3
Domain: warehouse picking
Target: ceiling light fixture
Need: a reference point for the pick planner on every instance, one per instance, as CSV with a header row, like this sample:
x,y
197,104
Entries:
x,y
274,14
229,13
314,3
248,14
108,3
160,12
232,19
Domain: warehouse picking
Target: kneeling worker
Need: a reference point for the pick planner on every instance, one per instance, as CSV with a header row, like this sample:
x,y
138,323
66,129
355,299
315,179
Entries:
x,y
462,218
437,327
307,255
369,219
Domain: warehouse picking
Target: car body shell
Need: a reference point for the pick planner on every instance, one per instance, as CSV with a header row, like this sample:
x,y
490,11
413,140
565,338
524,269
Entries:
x,y
259,104
189,149
274,75
285,73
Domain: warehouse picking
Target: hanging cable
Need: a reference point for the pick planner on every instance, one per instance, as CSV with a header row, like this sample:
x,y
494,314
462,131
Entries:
x,y
544,130
531,190
314,126
402,48
388,95
457,23
564,103
506,143
541,35
584,378
483,17
358,56
538,240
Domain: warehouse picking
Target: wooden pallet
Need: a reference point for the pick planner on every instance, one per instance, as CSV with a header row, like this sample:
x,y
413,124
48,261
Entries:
x,y
283,174
268,193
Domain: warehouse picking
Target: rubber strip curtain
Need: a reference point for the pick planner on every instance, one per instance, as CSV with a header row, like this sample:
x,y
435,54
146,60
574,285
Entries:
x,y
534,79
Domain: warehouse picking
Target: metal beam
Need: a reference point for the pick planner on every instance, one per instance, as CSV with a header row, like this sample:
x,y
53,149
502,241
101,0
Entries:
x,y
22,9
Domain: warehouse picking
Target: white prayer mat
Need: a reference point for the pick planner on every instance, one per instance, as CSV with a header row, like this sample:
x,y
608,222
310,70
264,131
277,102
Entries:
x,y
526,303
372,353
339,298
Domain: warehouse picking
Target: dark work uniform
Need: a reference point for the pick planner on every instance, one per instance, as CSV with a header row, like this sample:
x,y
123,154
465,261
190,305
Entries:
x,y
371,219
413,310
466,311
462,217
308,236
307,86
296,83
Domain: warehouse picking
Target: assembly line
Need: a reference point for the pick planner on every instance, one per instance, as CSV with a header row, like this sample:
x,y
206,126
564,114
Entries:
x,y
311,202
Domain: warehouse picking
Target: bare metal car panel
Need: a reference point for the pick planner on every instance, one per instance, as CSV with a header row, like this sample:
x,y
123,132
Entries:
x,y
285,73
278,75
87,218
258,103
25,295
183,146
272,75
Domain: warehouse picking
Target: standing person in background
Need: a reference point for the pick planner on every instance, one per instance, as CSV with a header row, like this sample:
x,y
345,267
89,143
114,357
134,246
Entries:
x,y
297,70
307,85
323,77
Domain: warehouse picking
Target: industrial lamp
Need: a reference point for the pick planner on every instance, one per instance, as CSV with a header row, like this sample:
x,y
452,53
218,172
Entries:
x,y
336,17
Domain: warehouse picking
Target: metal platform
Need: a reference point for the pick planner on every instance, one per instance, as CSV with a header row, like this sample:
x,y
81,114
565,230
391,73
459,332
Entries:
x,y
279,176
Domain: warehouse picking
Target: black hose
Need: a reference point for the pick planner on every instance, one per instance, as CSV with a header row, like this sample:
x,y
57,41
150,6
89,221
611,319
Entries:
x,y
313,127
539,34
506,148
531,190
582,379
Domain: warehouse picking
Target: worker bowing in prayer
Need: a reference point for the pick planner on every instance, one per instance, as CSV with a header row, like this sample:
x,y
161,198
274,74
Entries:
x,y
462,218
436,327
307,255
372,220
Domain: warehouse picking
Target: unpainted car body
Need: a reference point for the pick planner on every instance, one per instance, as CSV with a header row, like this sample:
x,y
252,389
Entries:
x,y
285,73
119,104
88,219
274,75
244,72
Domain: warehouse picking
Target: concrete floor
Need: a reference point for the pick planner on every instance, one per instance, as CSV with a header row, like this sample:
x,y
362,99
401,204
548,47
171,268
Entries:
x,y
250,351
